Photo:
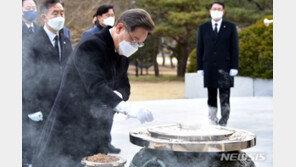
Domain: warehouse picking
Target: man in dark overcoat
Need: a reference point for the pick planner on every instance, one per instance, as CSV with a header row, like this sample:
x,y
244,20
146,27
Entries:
x,y
217,60
94,87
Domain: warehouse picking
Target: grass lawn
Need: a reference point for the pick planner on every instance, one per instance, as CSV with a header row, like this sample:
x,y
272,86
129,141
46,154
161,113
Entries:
x,y
152,78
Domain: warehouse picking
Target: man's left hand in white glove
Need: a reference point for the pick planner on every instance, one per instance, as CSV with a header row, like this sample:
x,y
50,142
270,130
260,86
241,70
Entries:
x,y
233,72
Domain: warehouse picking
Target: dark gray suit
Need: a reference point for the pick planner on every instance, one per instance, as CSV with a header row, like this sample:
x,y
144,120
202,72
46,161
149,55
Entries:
x,y
42,73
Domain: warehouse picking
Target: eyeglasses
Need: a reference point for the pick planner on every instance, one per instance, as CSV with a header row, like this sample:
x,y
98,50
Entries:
x,y
134,42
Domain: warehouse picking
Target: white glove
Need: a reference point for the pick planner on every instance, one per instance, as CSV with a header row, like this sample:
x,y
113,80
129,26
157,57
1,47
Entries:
x,y
118,94
200,72
37,116
233,72
140,113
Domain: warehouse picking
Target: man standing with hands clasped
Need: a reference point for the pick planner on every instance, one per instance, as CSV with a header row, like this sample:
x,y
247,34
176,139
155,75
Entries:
x,y
217,60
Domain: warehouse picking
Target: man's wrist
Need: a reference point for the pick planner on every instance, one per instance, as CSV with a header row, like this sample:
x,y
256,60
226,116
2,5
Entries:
x,y
118,94
120,108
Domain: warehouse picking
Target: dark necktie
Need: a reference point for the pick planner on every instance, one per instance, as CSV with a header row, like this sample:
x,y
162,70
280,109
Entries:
x,y
216,29
31,30
56,46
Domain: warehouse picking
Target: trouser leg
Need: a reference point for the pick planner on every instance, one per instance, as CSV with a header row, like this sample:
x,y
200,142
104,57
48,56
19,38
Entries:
x,y
107,122
224,95
212,97
109,125
26,143
212,104
104,126
30,133
111,148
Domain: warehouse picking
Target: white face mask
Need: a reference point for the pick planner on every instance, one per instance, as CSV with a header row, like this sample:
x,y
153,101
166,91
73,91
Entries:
x,y
126,48
56,23
216,15
109,21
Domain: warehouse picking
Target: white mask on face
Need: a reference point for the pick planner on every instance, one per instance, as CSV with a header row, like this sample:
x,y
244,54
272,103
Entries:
x,y
216,15
56,23
126,48
109,21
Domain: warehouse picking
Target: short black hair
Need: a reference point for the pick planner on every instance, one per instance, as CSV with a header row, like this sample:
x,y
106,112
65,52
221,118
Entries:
x,y
26,0
103,9
134,18
217,2
47,3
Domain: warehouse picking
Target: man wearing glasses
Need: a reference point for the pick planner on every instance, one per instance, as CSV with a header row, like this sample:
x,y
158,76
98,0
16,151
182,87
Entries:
x,y
217,60
94,87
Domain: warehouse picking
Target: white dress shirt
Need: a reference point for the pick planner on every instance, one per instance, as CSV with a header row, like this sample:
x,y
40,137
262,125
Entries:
x,y
51,37
30,25
218,26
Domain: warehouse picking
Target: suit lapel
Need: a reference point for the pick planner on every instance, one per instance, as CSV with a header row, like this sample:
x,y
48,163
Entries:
x,y
46,39
221,31
36,27
63,46
210,30
48,44
25,28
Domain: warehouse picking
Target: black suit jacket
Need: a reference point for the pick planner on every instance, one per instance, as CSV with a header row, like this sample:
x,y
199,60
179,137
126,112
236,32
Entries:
x,y
76,126
66,32
42,72
216,55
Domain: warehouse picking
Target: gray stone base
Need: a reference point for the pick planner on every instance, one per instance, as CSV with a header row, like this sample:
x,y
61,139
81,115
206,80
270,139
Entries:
x,y
243,87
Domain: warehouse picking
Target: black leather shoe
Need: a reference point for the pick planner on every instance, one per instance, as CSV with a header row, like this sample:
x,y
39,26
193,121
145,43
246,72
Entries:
x,y
222,122
113,150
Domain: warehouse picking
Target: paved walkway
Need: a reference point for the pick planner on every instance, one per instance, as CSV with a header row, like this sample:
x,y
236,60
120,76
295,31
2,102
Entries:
x,y
249,113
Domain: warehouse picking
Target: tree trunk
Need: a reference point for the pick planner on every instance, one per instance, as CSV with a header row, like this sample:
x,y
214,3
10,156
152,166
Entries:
x,y
156,69
141,70
182,61
171,61
137,70
163,57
